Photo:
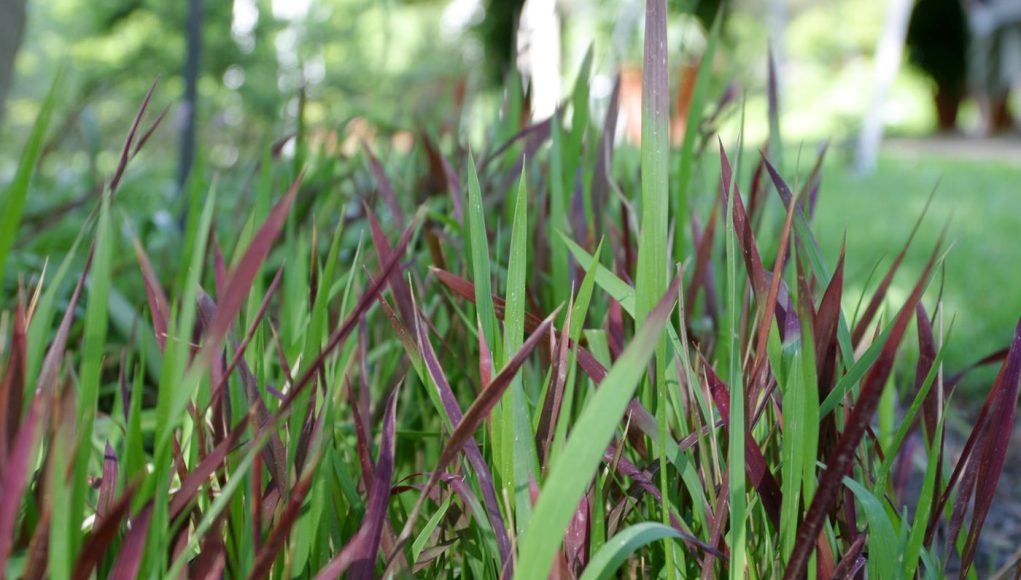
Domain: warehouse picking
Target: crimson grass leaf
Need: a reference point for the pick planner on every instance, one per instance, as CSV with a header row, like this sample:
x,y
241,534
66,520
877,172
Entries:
x,y
133,549
471,449
839,461
270,549
996,444
755,463
12,385
743,228
247,269
15,475
122,165
103,534
159,307
386,190
361,552
476,414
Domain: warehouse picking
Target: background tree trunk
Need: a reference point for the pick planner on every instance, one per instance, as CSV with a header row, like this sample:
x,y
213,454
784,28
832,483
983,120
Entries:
x,y
193,34
888,57
12,28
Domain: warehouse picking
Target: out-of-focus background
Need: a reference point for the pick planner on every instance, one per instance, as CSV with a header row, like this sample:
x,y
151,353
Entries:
x,y
910,95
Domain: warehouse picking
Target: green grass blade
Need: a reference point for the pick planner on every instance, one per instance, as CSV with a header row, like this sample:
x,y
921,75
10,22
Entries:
x,y
882,537
481,270
574,468
427,531
907,422
93,348
584,297
609,558
651,277
923,508
13,203
517,425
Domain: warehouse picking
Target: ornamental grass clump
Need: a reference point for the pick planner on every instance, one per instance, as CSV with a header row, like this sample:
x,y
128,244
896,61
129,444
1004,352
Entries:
x,y
531,358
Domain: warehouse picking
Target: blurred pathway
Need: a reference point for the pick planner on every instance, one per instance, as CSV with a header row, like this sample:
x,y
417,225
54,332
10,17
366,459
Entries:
x,y
1001,149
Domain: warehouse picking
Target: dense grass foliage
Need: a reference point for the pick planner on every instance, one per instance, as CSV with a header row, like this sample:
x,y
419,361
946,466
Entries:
x,y
534,357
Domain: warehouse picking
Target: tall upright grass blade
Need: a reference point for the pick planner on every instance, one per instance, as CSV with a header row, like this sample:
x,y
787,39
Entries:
x,y
651,278
517,426
478,245
93,346
653,269
916,536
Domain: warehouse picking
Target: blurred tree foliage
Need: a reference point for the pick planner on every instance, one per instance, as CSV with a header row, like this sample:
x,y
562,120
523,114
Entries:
x,y
11,30
352,57
497,31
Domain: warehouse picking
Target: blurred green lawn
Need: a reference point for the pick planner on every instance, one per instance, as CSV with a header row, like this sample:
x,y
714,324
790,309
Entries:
x,y
981,200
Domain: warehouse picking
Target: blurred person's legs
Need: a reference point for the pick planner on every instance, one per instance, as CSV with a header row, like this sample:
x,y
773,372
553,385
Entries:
x,y
994,62
983,75
1010,76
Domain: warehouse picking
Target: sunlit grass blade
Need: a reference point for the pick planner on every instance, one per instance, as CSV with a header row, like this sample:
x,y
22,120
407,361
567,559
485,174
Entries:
x,y
883,540
516,420
923,507
479,258
651,278
605,562
92,359
572,472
